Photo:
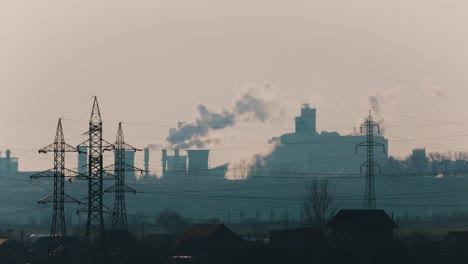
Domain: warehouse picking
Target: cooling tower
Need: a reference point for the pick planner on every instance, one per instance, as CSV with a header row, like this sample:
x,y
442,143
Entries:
x,y
129,164
198,162
83,160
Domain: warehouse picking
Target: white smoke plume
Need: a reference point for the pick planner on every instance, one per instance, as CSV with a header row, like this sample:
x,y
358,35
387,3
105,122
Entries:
x,y
154,146
242,169
433,90
376,102
252,105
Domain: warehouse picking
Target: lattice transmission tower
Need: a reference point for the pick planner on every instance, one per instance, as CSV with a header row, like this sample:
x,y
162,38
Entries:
x,y
95,220
369,191
58,231
119,213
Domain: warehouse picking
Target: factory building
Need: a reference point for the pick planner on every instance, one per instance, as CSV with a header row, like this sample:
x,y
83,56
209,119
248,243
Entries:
x,y
306,150
198,161
129,161
129,165
83,160
419,160
130,175
8,164
306,123
194,163
175,164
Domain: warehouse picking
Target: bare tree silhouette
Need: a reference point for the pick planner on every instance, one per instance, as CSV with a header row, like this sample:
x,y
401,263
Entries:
x,y
319,203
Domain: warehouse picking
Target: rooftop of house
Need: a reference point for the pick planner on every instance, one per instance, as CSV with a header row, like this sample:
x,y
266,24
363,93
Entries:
x,y
458,236
362,218
199,232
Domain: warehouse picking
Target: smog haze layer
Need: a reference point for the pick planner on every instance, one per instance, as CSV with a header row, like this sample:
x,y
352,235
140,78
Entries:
x,y
152,63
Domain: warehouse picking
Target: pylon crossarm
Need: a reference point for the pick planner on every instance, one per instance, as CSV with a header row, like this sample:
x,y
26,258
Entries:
x,y
132,168
84,143
79,176
45,200
69,199
126,188
70,148
362,144
129,189
106,209
110,189
109,170
84,210
70,173
107,146
49,148
377,144
45,174
129,147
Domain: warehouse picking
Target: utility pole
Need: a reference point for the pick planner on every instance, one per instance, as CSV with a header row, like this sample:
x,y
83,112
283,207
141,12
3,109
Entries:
x,y
119,214
58,231
369,192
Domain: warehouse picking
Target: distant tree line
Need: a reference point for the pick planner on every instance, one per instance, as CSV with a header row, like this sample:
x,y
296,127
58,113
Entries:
x,y
434,163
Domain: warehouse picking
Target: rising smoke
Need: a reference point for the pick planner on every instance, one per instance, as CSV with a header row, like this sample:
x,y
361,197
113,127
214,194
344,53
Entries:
x,y
433,89
375,107
251,106
242,169
154,146
376,102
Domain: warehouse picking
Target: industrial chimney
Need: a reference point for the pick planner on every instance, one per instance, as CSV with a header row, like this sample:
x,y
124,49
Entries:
x,y
198,162
164,162
146,153
8,160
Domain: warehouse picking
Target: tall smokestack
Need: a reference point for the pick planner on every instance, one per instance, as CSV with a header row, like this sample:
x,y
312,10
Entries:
x,y
198,162
146,153
164,162
306,123
8,160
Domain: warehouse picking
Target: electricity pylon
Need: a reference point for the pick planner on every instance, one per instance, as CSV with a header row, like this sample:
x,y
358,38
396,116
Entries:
x,y
119,214
95,220
369,192
58,231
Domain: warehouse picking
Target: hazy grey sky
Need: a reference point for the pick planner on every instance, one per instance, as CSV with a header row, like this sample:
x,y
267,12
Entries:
x,y
151,62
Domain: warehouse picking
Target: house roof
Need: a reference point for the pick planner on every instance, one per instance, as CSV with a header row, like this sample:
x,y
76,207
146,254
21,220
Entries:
x,y
200,231
301,230
459,236
203,231
363,218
